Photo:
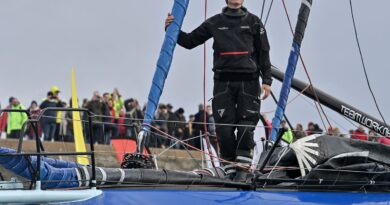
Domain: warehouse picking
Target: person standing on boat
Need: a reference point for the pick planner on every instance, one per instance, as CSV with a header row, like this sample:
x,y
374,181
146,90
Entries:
x,y
241,56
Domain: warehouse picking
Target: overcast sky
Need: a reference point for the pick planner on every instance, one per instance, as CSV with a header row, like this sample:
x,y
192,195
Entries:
x,y
115,43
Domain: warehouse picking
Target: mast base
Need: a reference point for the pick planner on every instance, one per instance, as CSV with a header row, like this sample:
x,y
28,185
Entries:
x,y
137,161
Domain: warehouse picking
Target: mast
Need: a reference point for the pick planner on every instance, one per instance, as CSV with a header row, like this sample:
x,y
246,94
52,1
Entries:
x,y
335,104
162,69
300,28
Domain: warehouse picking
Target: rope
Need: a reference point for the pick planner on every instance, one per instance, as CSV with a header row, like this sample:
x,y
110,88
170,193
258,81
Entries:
x,y
219,124
269,11
274,167
363,64
163,134
292,100
206,137
262,10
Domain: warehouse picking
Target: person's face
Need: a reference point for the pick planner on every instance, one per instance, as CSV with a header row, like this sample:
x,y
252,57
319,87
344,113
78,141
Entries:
x,y
110,103
15,101
96,95
56,94
299,127
34,105
106,97
209,110
235,3
114,96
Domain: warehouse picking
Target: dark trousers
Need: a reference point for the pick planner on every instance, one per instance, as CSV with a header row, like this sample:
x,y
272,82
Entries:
x,y
110,130
14,134
49,130
97,135
236,103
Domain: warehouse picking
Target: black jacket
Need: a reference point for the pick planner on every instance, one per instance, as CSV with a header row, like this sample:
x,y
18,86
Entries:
x,y
241,47
99,108
50,116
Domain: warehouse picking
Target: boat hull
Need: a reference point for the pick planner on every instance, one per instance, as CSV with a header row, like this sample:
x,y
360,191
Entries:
x,y
190,197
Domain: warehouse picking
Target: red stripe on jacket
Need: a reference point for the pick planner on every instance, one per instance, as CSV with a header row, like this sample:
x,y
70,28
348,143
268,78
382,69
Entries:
x,y
234,53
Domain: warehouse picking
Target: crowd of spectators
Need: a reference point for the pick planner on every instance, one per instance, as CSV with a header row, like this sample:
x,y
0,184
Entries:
x,y
359,133
116,117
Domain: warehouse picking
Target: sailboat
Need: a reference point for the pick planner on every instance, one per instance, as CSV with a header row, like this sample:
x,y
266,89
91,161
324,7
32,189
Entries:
x,y
318,169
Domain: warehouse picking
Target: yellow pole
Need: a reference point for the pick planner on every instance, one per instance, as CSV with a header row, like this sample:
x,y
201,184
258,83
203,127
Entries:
x,y
77,127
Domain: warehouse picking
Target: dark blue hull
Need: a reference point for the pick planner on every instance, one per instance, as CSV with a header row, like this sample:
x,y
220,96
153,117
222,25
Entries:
x,y
170,197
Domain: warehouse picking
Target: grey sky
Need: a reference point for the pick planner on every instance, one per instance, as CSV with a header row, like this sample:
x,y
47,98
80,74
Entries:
x,y
115,43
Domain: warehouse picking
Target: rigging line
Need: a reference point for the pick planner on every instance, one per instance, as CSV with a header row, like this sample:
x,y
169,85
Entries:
x,y
198,123
181,143
269,11
307,73
330,118
276,164
284,114
268,167
363,64
220,124
262,10
173,121
206,137
166,135
351,122
313,103
299,94
171,147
